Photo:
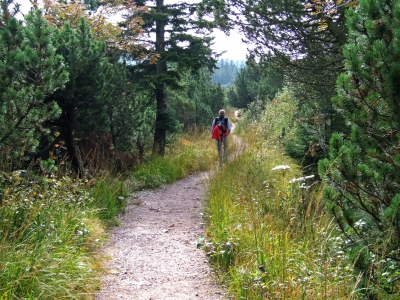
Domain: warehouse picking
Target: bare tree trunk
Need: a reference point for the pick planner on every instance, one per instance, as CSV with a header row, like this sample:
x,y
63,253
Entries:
x,y
160,133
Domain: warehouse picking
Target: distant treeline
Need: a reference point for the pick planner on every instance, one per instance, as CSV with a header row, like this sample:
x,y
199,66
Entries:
x,y
227,72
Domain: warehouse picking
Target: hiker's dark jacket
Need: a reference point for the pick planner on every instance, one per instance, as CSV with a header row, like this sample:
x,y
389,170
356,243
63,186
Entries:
x,y
215,133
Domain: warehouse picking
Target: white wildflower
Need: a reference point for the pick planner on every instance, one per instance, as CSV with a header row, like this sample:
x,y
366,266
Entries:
x,y
281,167
301,178
360,223
303,186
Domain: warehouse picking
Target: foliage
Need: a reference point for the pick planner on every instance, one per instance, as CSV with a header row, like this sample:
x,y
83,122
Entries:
x,y
30,70
362,171
132,114
245,89
199,102
179,51
109,101
119,39
303,40
92,92
271,123
292,33
98,99
316,120
46,104
82,100
254,84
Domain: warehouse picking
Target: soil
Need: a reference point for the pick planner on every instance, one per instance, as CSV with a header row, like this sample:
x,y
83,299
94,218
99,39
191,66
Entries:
x,y
153,253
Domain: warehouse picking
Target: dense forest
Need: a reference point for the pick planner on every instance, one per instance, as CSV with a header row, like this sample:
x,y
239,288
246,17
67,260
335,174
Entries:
x,y
82,94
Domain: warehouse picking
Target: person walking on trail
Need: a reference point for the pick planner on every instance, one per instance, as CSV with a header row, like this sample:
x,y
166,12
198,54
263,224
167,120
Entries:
x,y
220,128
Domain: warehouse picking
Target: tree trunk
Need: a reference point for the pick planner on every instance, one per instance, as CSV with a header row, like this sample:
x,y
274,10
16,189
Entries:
x,y
68,134
160,132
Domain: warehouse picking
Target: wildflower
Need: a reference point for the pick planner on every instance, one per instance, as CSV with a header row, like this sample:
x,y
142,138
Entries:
x,y
301,179
360,223
281,167
303,186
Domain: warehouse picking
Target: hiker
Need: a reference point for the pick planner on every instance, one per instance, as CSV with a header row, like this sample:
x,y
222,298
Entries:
x,y
220,129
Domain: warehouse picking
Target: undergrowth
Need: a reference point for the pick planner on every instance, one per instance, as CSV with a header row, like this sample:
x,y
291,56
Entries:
x,y
48,229
268,233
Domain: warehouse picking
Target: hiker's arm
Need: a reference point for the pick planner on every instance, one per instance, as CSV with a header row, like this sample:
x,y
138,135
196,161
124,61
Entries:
x,y
212,126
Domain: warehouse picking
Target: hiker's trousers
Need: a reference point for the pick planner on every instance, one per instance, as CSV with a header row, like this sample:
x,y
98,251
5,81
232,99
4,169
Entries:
x,y
223,153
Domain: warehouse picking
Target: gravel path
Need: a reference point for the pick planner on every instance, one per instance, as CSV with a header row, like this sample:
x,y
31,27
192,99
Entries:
x,y
153,254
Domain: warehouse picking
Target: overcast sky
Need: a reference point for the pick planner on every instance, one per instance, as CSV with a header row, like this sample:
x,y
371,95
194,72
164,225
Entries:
x,y
232,44
236,50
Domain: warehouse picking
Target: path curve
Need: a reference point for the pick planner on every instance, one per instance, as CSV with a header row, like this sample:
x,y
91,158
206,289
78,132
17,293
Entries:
x,y
153,254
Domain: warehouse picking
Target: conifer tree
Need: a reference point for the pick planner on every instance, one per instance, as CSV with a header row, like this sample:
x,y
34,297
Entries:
x,y
363,169
116,110
254,83
199,101
207,97
30,70
83,100
178,50
226,72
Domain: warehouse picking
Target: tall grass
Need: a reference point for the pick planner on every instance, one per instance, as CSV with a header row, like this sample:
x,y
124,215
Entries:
x,y
271,238
110,198
47,231
192,152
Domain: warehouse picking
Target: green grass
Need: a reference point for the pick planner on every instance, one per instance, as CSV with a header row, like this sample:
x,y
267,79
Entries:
x,y
269,238
191,153
47,233
110,198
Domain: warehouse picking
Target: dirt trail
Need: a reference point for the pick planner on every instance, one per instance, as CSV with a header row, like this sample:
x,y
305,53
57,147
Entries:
x,y
153,254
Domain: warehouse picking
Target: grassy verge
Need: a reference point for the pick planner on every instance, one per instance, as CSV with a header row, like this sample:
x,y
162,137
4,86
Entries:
x,y
52,227
191,153
268,234
48,230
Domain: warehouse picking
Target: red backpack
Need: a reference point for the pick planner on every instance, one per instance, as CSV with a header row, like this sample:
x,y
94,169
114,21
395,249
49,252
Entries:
x,y
222,124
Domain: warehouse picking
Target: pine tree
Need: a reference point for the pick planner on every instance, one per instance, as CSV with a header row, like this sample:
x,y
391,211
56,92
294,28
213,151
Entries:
x,y
207,97
363,169
30,70
114,110
178,51
254,83
83,100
